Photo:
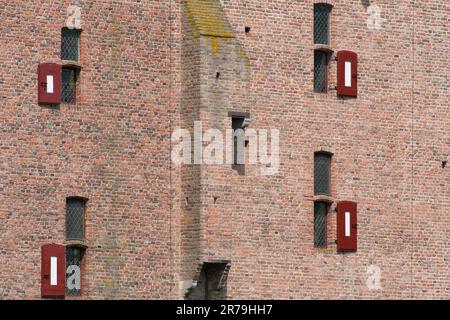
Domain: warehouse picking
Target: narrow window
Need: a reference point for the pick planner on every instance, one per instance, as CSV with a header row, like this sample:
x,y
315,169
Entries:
x,y
238,141
320,71
322,23
74,258
75,216
69,84
70,44
212,283
322,162
320,224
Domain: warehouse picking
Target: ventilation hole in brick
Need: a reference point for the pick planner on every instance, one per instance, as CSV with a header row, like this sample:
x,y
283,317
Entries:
x,y
215,199
217,75
444,164
187,201
365,3
247,29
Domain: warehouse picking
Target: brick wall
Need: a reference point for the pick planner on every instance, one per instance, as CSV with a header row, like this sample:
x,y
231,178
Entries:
x,y
150,224
112,147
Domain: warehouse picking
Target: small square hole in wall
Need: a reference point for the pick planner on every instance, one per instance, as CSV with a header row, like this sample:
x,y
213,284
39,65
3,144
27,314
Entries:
x,y
444,164
247,29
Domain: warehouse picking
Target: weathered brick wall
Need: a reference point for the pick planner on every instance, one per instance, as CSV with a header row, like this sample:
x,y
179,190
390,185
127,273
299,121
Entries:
x,y
263,225
112,147
144,75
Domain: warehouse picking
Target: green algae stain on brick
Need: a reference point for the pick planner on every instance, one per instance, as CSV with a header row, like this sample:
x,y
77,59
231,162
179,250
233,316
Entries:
x,y
208,18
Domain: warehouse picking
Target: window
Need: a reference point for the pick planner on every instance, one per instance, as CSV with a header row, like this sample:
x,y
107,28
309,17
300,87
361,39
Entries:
x,y
322,162
212,282
74,257
70,44
238,141
320,71
69,84
75,216
322,23
70,50
320,224
239,122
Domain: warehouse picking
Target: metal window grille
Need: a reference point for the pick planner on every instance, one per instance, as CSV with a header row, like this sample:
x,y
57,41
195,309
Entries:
x,y
322,23
320,71
73,270
68,90
320,224
70,43
322,173
75,218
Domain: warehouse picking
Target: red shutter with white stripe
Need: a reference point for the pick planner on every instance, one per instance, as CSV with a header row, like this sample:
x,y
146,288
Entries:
x,y
49,83
347,73
53,270
346,226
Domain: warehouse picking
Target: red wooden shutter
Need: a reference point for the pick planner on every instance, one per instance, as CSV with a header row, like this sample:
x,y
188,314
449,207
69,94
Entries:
x,y
347,73
53,270
49,83
346,226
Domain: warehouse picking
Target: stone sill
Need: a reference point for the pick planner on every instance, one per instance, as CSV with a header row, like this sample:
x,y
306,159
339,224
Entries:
x,y
323,198
323,47
72,64
76,243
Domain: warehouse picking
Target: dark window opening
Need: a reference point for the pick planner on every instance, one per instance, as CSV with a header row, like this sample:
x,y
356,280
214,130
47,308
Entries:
x,y
70,44
322,23
320,71
238,141
74,261
69,85
75,217
320,224
212,283
322,163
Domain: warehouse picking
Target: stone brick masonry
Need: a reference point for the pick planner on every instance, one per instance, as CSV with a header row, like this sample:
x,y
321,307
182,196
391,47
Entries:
x,y
149,67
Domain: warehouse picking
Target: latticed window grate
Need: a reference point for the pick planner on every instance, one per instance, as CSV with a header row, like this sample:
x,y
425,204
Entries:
x,y
70,43
68,89
322,23
75,218
74,257
322,173
320,71
320,224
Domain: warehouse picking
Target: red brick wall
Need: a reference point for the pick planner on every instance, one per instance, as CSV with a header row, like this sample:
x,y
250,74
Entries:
x,y
264,225
144,75
112,147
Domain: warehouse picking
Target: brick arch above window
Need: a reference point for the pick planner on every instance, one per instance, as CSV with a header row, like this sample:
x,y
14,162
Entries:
x,y
324,148
331,3
81,197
